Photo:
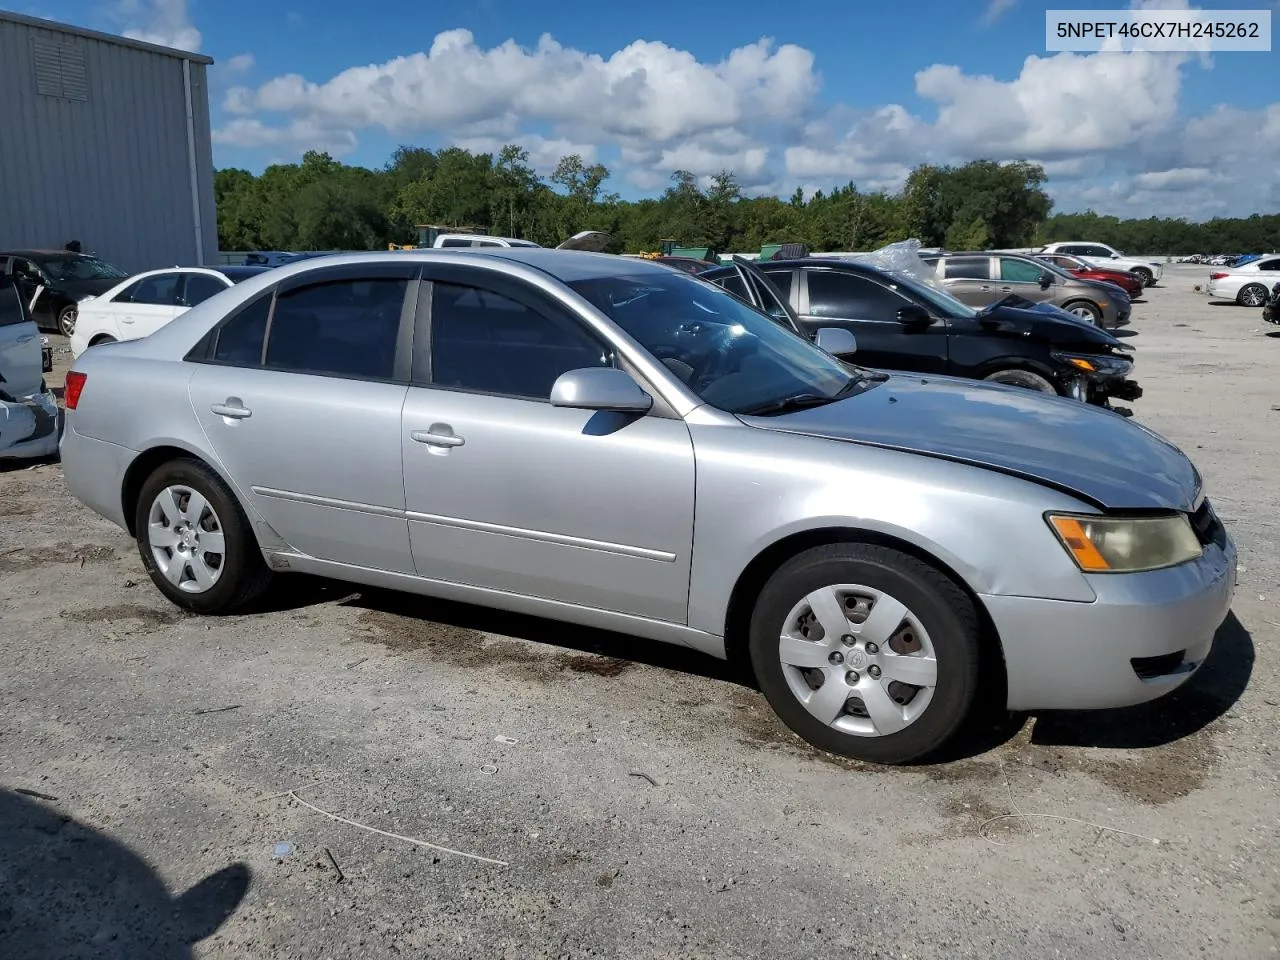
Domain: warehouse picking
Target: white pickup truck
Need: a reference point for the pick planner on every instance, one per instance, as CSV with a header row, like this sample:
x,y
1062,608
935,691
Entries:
x,y
1108,258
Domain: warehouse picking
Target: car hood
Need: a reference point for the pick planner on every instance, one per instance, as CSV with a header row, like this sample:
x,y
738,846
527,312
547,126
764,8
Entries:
x,y
1088,451
79,289
1049,323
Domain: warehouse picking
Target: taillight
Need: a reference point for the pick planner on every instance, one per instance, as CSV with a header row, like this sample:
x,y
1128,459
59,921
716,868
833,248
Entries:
x,y
1218,276
75,384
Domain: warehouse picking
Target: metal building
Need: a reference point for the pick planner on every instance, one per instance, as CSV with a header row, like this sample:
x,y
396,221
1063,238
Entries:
x,y
104,140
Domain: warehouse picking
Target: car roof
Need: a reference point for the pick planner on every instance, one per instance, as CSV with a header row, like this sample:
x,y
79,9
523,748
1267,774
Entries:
x,y
838,262
565,265
45,253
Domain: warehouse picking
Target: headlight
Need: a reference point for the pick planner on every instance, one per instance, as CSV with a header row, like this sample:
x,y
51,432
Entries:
x,y
1126,545
1095,363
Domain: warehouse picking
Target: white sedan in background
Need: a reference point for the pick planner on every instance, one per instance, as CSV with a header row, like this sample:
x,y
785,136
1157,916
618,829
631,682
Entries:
x,y
145,302
1248,285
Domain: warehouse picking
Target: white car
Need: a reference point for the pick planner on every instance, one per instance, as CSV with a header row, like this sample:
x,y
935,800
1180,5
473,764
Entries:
x,y
1249,285
1101,255
145,302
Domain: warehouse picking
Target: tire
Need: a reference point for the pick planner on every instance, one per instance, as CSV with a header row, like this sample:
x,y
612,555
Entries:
x,y
233,578
104,338
1252,295
1146,276
1022,378
1085,310
67,320
869,715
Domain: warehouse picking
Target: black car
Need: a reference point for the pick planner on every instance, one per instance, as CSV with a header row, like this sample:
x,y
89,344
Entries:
x,y
901,323
53,282
1271,311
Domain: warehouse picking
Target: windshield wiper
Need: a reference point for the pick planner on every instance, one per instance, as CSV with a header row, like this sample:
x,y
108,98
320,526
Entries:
x,y
800,401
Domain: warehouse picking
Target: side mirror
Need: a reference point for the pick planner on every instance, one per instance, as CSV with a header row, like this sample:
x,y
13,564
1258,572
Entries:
x,y
836,341
913,313
599,388
1046,281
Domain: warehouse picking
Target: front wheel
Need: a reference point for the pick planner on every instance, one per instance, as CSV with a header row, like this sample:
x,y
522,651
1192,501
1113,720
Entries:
x,y
1146,276
866,652
67,320
1022,378
1085,311
195,541
1252,295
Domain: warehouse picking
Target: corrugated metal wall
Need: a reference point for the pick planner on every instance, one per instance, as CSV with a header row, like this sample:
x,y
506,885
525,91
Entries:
x,y
94,147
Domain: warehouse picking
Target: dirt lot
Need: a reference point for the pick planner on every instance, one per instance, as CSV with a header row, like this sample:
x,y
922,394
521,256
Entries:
x,y
650,806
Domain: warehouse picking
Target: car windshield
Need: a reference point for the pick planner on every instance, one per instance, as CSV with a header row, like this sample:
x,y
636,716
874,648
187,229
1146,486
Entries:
x,y
80,268
944,302
728,353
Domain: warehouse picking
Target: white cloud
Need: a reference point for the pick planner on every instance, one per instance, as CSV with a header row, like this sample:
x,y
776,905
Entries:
x,y
648,98
240,63
251,134
166,22
997,9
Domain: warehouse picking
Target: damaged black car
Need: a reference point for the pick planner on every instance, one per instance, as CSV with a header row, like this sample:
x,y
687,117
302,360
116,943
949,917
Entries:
x,y
902,323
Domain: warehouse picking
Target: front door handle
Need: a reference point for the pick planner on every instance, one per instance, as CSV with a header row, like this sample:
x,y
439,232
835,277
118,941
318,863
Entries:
x,y
436,437
232,407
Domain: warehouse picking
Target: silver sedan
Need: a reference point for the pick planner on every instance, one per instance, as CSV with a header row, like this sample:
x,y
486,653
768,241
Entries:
x,y
613,443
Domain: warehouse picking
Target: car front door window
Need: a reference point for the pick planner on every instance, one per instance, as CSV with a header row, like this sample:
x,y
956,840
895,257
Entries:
x,y
849,297
1019,271
485,342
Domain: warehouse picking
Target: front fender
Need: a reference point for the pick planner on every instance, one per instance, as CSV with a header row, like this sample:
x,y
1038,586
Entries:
x,y
756,488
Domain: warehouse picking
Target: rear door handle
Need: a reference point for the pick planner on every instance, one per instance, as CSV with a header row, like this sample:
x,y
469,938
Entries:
x,y
232,407
432,438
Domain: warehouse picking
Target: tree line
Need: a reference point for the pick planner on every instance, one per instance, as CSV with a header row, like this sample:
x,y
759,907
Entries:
x,y
323,204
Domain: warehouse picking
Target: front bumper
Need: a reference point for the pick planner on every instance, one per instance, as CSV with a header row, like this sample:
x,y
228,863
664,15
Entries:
x,y
1143,637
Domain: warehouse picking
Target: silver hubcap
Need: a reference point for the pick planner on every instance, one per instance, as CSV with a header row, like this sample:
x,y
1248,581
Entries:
x,y
858,660
186,539
69,322
1085,312
1253,297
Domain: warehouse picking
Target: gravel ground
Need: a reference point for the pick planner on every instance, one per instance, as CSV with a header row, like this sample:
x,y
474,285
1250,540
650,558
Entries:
x,y
649,806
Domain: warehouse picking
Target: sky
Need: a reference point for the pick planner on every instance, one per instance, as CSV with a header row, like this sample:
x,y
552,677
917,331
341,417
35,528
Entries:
x,y
782,94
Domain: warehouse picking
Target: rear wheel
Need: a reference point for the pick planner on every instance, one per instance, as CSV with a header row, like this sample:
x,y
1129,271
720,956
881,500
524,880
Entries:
x,y
866,652
195,541
1022,378
101,339
1252,295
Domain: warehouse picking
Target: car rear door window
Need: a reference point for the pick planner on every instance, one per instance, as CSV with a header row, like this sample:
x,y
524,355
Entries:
x,y
848,296
968,268
1269,265
1019,271
239,340
200,287
488,343
342,328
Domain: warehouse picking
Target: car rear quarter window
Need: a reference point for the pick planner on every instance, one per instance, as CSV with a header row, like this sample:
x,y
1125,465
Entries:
x,y
200,287
852,297
488,343
239,340
342,328
968,268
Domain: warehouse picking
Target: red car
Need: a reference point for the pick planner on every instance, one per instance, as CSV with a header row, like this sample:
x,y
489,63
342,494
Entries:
x,y
1086,271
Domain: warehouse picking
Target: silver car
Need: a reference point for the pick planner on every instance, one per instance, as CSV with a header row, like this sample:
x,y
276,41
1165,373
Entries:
x,y
613,443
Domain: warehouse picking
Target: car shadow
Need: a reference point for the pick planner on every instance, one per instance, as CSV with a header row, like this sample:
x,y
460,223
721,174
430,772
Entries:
x,y
71,891
555,635
1125,332
1273,334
